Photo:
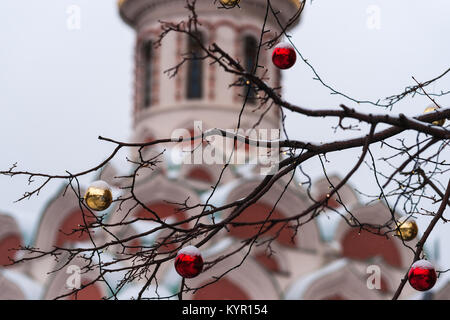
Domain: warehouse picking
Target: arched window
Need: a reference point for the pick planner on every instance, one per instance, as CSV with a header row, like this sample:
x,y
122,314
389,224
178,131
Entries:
x,y
250,53
148,70
195,68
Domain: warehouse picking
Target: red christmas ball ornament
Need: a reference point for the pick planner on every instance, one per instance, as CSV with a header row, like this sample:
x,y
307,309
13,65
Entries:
x,y
189,262
284,56
422,275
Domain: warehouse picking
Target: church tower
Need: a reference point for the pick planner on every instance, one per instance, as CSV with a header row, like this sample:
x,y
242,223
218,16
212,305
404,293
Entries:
x,y
200,91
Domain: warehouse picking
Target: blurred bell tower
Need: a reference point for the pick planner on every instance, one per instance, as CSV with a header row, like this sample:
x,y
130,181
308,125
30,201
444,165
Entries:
x,y
200,91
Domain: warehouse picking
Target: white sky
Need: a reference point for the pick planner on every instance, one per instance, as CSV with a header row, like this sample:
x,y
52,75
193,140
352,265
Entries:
x,y
60,89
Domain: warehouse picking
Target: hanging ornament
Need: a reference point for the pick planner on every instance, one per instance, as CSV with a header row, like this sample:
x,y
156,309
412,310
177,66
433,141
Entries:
x,y
422,275
284,56
189,262
98,196
437,122
229,3
407,229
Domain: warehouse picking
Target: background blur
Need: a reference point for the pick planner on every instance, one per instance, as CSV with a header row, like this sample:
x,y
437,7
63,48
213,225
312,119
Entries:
x,y
63,84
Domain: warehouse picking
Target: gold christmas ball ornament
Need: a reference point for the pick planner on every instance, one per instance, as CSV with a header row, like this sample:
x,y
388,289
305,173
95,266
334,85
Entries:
x,y
407,229
437,122
229,3
98,196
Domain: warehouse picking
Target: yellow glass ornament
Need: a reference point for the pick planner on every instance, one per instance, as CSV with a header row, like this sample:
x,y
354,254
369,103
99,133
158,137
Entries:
x,y
437,122
296,2
229,3
407,229
98,196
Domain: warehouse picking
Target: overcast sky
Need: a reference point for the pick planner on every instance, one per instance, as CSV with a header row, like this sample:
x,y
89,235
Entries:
x,y
61,88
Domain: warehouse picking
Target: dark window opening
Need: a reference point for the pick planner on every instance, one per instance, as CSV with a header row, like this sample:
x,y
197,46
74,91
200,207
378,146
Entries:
x,y
250,53
148,70
195,68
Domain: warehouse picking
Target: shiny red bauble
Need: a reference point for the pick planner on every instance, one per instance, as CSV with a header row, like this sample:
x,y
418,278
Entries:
x,y
422,275
284,56
189,262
